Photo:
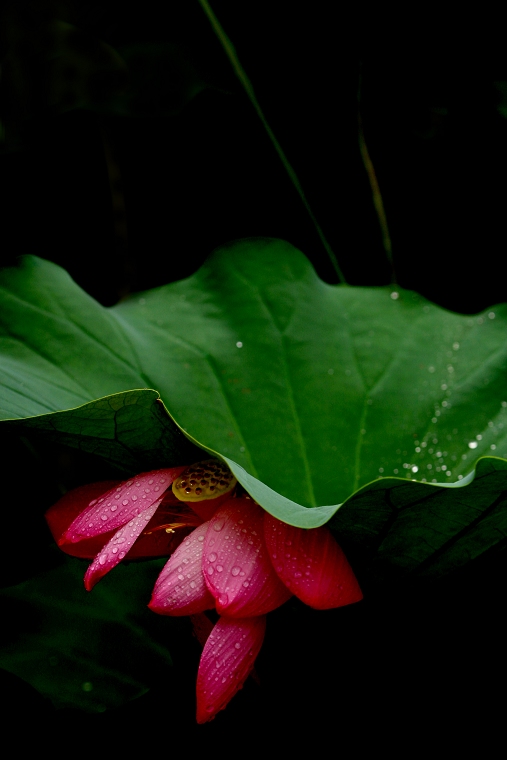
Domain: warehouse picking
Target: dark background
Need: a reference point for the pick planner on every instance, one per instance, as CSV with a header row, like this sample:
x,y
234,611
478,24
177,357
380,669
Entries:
x,y
128,162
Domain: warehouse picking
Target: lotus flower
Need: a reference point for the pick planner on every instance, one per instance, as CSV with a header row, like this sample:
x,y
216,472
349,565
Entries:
x,y
137,518
227,554
244,563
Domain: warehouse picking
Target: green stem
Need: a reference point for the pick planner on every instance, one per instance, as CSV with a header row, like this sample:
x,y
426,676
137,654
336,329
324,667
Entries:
x,y
247,86
375,189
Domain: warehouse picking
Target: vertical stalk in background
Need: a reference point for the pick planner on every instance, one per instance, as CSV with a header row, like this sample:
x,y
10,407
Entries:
x,y
375,189
247,86
124,259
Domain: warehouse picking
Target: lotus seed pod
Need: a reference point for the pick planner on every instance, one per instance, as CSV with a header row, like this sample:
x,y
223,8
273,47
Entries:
x,y
204,480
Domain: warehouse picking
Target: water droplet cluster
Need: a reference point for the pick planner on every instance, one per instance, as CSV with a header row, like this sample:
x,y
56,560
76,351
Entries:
x,y
204,480
437,450
123,503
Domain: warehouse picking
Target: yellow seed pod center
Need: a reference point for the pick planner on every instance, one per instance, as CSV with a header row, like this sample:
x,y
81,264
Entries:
x,y
204,480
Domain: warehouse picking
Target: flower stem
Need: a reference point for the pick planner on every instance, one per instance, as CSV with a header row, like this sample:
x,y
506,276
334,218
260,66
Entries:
x,y
375,189
247,86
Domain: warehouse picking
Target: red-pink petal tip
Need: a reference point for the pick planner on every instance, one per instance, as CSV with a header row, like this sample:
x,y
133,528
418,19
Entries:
x,y
227,660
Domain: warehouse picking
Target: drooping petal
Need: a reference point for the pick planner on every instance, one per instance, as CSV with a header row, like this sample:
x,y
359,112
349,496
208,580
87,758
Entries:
x,y
118,546
65,511
180,588
236,563
311,564
120,504
226,662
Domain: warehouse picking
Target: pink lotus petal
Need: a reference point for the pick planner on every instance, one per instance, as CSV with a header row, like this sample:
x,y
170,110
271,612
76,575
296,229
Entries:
x,y
117,547
66,509
227,660
311,564
180,588
120,504
236,563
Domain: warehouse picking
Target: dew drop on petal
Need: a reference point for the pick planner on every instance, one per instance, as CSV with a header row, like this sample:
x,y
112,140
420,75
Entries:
x,y
235,570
